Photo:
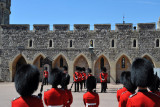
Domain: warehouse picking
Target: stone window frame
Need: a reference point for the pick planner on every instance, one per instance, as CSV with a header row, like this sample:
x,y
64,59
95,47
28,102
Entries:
x,y
115,41
132,41
93,43
156,43
72,43
49,43
29,43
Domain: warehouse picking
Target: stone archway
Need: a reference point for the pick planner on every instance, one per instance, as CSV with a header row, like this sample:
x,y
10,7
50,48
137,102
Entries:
x,y
80,61
59,62
101,61
123,64
148,58
17,63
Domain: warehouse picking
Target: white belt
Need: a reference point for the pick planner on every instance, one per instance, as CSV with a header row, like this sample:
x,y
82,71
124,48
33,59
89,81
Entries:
x,y
90,104
56,106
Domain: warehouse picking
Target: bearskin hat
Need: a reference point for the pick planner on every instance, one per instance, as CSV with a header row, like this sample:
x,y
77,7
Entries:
x,y
78,68
84,69
91,83
155,84
89,70
141,72
127,82
103,69
65,68
27,80
55,77
122,77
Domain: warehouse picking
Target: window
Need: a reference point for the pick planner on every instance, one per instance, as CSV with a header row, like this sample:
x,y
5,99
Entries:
x,y
157,43
91,43
61,62
123,62
112,43
41,60
70,43
50,43
134,43
30,43
102,62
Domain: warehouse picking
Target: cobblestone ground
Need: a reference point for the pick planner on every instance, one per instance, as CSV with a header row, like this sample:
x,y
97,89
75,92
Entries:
x,y
8,92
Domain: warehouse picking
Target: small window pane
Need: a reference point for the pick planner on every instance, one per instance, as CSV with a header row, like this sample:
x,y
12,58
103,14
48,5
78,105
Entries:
x,y
61,62
41,59
123,62
157,43
112,43
134,43
70,43
30,43
91,43
50,43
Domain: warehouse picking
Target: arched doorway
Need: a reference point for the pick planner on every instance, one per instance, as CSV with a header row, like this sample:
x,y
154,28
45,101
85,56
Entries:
x,y
148,58
38,63
81,62
123,64
18,62
101,62
59,62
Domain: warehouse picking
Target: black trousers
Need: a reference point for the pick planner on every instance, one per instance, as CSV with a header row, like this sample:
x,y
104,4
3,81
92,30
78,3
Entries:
x,y
76,88
84,82
103,86
81,85
45,81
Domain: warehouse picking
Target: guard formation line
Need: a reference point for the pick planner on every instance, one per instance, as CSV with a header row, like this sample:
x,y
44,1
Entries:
x,y
140,86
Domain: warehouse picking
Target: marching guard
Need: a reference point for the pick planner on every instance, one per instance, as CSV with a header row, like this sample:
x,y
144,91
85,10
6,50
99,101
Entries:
x,y
26,83
83,77
55,97
91,98
103,78
45,74
142,76
77,78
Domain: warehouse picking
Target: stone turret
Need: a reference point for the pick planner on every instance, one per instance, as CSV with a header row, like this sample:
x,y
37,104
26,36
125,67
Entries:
x,y
158,24
5,11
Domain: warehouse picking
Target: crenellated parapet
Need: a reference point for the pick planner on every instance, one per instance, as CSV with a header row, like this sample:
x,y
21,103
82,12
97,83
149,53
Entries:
x,y
15,27
81,27
61,27
41,27
124,27
146,26
102,27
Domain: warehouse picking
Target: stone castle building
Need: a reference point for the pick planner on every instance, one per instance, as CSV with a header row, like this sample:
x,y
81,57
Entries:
x,y
114,49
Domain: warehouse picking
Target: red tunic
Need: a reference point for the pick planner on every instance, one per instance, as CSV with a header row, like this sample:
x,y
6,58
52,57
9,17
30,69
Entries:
x,y
46,74
30,101
88,76
83,75
77,77
103,77
69,97
119,92
124,98
91,98
143,99
55,97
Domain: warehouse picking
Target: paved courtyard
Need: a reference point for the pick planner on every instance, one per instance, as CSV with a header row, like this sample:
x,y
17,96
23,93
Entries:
x,y
8,92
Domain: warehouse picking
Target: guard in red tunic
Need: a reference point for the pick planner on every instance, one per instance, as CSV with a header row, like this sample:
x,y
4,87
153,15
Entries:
x,y
68,92
77,78
55,96
80,79
142,76
91,98
121,90
89,71
45,75
103,78
155,85
130,90
83,77
26,82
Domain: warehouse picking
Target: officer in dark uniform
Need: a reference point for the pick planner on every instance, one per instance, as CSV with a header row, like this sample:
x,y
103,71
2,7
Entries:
x,y
55,96
142,76
26,83
130,89
121,90
91,98
65,70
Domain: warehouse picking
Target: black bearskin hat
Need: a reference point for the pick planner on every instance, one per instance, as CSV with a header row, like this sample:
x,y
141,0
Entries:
x,y
84,69
103,69
155,84
127,82
55,77
65,80
122,77
89,70
65,68
141,72
78,68
27,80
91,83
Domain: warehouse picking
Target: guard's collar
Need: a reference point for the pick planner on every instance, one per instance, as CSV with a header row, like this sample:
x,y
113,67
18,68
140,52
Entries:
x,y
142,90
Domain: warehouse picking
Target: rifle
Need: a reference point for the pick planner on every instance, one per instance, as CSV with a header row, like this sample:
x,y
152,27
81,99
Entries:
x,y
40,94
71,86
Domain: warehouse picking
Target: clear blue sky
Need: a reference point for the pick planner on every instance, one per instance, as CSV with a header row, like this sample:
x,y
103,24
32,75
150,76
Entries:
x,y
84,12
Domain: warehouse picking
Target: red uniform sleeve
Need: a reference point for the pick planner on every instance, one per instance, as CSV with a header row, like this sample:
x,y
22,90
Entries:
x,y
44,98
100,77
118,95
84,99
97,100
70,98
129,103
64,98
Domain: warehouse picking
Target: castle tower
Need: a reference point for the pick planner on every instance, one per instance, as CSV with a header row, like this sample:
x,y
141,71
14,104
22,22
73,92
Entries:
x,y
5,11
158,24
